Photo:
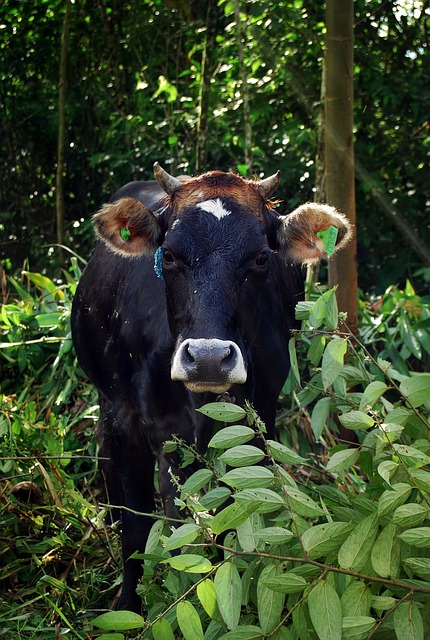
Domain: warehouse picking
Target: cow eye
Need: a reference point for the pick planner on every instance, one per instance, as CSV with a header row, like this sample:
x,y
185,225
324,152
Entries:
x,y
168,257
261,260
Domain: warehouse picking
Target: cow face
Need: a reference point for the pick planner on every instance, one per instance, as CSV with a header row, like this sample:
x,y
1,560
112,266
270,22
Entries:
x,y
221,243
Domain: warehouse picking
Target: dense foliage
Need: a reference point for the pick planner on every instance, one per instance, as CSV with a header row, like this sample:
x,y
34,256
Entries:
x,y
137,92
329,539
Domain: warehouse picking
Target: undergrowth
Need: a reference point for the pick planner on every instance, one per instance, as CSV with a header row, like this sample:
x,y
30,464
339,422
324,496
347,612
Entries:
x,y
329,538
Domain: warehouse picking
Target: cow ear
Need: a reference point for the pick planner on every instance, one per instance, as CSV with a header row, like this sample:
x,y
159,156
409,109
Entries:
x,y
128,227
297,233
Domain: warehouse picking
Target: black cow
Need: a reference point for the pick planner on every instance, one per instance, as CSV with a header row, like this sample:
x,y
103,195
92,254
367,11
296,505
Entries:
x,y
213,313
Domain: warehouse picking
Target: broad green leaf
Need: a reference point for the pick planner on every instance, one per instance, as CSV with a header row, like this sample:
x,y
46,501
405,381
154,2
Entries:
x,y
325,611
248,477
244,632
189,621
231,437
332,312
356,420
343,460
189,562
154,536
118,621
44,283
421,479
246,532
357,627
293,360
228,590
283,454
286,583
385,554
303,308
282,634
319,416
418,537
332,361
215,498
44,320
316,349
391,499
411,456
223,411
420,566
197,481
206,595
269,603
355,600
161,630
409,515
372,393
382,603
302,504
386,469
408,623
323,539
115,636
317,313
265,499
274,535
242,456
416,389
233,515
183,535
355,551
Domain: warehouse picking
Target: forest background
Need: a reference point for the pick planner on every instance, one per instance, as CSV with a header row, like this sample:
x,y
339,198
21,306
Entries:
x,y
177,82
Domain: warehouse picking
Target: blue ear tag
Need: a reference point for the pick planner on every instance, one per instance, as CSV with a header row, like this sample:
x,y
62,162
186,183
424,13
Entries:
x,y
329,237
158,259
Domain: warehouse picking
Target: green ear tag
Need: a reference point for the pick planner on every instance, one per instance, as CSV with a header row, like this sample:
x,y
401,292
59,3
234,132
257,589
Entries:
x,y
125,234
329,237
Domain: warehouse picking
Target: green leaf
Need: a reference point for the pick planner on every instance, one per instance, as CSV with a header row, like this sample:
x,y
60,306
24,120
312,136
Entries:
x,y
189,621
269,603
342,460
293,359
302,504
382,603
207,596
409,515
316,349
161,630
183,535
283,454
411,456
393,498
386,470
215,498
286,583
189,562
244,632
418,537
231,437
228,589
372,393
408,623
357,627
118,621
223,411
112,636
274,535
319,416
356,420
265,499
325,611
420,566
248,477
323,539
197,481
233,515
385,554
416,389
355,600
242,456
355,551
332,361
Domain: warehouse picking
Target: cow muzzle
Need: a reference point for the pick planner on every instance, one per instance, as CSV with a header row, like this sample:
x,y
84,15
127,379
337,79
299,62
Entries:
x,y
208,365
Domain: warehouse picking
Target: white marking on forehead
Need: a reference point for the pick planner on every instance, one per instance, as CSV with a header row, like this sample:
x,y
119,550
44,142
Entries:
x,y
215,207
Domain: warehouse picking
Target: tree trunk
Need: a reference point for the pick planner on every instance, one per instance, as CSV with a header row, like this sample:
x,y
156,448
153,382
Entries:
x,y
339,149
62,89
205,85
244,87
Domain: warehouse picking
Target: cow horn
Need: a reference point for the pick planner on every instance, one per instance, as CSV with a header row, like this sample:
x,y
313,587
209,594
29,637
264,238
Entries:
x,y
167,182
267,186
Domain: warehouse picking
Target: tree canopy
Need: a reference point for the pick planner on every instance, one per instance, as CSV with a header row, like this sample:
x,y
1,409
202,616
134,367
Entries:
x,y
203,85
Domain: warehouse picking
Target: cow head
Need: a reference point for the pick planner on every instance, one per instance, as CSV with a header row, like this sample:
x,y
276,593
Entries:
x,y
222,245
